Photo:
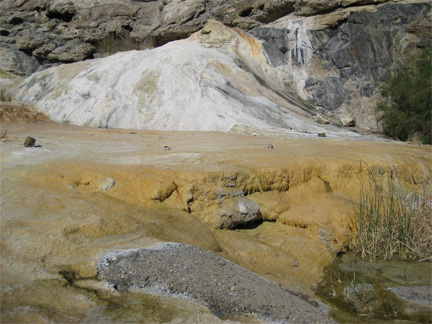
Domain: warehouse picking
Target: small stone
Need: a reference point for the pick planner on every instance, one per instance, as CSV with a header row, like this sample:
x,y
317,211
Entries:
x,y
106,185
161,137
320,119
270,146
348,121
29,142
167,147
322,135
132,133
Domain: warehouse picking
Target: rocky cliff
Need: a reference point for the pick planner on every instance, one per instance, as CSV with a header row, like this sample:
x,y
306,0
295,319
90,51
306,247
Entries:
x,y
334,51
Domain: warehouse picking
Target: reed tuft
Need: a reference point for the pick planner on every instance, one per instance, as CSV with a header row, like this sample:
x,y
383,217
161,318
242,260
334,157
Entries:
x,y
393,223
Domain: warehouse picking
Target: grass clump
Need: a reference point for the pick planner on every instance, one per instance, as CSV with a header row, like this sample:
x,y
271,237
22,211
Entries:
x,y
3,135
5,96
114,43
361,297
393,223
407,100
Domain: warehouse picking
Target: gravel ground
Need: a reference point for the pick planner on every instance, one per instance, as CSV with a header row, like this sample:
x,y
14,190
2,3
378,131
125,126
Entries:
x,y
189,272
415,294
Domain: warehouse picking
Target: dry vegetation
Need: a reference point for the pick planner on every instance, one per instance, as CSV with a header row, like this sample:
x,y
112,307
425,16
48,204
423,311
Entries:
x,y
10,112
393,223
113,43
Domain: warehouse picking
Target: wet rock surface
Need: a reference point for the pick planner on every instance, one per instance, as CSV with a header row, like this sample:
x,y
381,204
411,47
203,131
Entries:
x,y
415,294
186,271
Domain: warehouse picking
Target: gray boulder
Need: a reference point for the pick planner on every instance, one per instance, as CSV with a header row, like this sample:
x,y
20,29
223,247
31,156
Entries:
x,y
238,212
16,62
74,50
185,271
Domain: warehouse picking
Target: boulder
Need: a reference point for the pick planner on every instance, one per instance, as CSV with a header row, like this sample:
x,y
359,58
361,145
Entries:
x,y
238,212
72,51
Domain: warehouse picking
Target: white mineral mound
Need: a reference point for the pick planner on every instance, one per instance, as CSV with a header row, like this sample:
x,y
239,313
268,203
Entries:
x,y
217,80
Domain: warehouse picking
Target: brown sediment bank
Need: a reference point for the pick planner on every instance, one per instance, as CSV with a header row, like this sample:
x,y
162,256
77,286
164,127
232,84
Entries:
x,y
86,191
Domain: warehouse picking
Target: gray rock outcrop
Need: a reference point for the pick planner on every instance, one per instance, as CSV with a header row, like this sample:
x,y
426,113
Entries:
x,y
415,294
185,271
337,58
336,51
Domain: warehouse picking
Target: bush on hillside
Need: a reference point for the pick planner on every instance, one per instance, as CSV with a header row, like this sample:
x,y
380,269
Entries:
x,y
406,102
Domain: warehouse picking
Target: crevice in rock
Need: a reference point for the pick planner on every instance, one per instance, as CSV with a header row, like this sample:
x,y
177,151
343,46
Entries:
x,y
332,9
66,16
70,276
246,13
250,225
16,21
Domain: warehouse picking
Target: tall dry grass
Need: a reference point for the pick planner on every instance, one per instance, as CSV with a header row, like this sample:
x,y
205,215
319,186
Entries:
x,y
393,223
113,43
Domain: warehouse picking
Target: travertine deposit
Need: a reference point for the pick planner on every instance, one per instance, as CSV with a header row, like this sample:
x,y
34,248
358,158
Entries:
x,y
336,53
217,80
245,129
87,191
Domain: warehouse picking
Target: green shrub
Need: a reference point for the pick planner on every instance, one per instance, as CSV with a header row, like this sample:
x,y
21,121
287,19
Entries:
x,y
406,102
361,297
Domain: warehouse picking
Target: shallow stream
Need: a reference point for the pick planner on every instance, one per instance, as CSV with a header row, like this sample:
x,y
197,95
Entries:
x,y
361,292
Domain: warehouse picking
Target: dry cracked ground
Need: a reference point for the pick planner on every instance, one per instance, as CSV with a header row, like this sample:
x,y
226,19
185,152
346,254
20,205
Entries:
x,y
82,192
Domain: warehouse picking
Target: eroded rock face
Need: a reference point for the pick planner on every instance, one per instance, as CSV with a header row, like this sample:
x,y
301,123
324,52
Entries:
x,y
226,288
334,52
34,24
215,80
337,58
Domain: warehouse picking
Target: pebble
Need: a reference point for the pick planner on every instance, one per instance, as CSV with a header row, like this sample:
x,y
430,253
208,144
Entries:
x,y
29,141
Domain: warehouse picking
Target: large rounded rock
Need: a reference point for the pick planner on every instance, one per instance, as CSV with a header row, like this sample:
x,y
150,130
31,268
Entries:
x,y
238,212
